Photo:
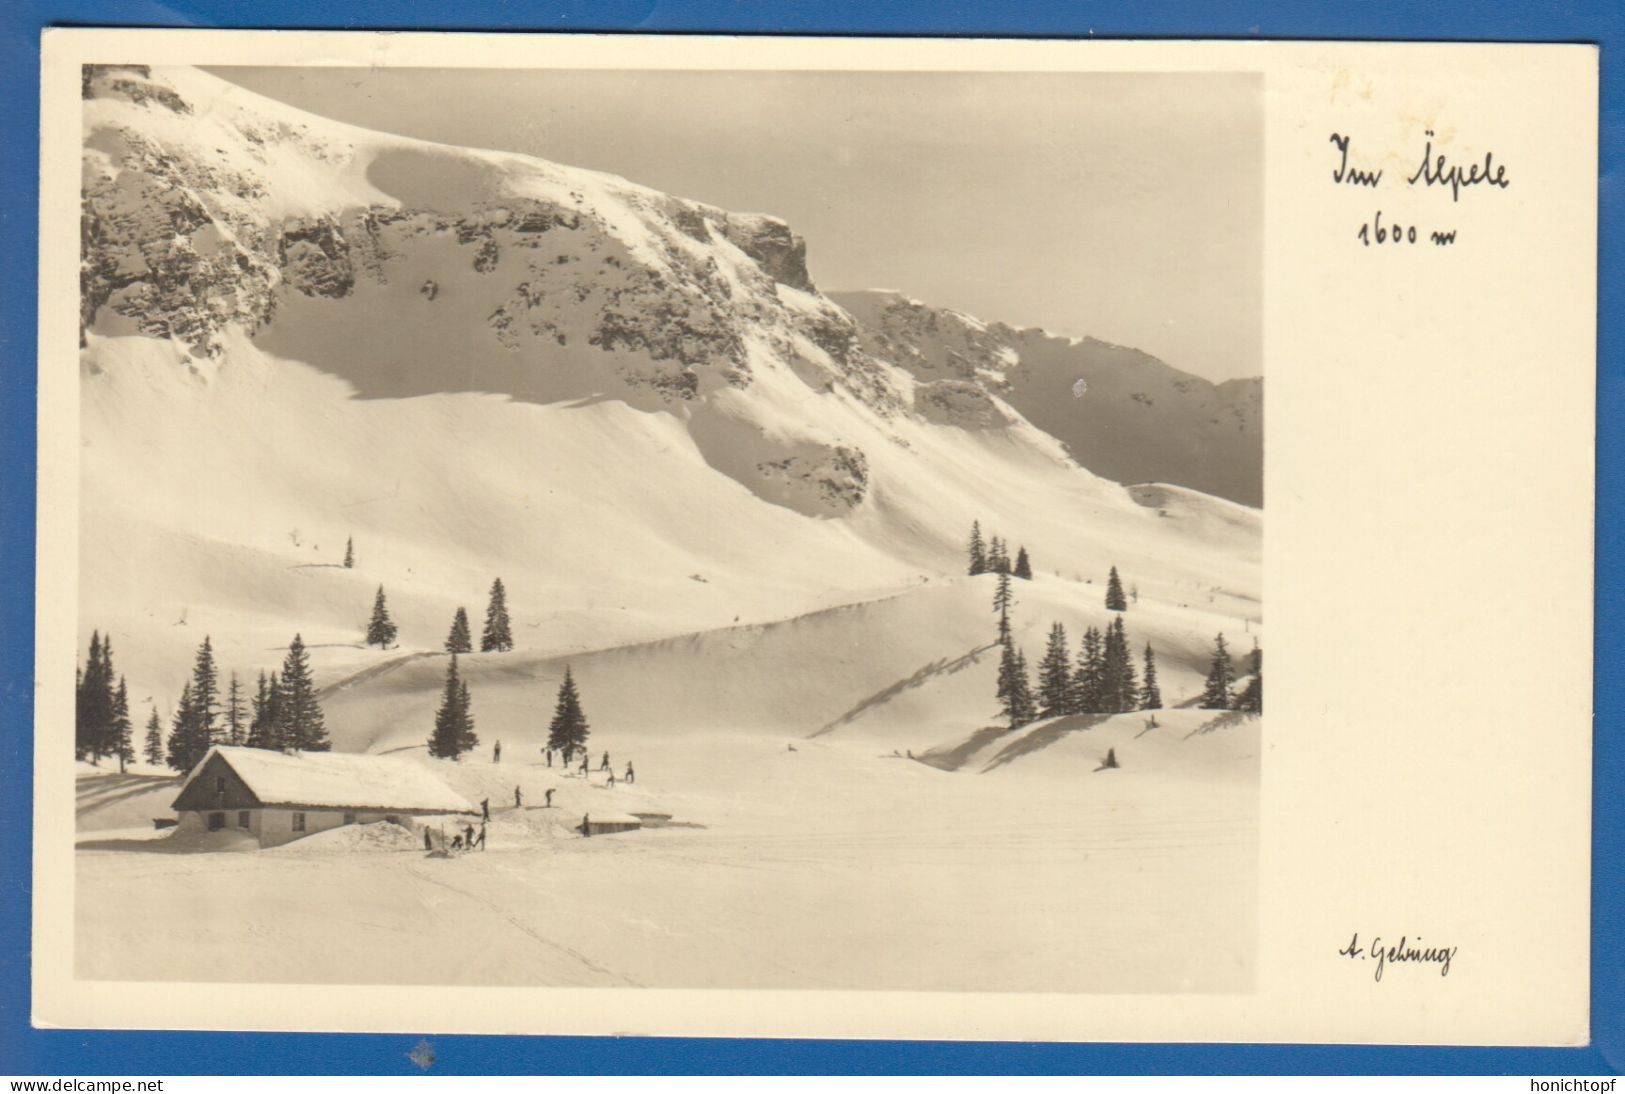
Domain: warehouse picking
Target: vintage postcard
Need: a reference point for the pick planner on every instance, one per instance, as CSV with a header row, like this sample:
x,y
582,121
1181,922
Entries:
x,y
575,534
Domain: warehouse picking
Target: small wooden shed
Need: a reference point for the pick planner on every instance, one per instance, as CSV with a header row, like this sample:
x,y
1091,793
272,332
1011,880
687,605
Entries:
x,y
276,797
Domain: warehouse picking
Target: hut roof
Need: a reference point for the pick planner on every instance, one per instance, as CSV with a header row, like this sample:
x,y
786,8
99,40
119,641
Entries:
x,y
338,780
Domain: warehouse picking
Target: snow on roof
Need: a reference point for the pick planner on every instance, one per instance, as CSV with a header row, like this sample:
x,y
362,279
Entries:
x,y
342,780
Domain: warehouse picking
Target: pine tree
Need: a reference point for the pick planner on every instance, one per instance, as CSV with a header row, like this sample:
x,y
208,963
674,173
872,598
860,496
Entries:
x,y
1086,678
1055,675
105,705
1118,689
997,560
1024,568
1251,697
262,727
79,721
205,692
1115,600
93,703
1150,693
380,629
300,723
459,640
154,752
1003,601
84,734
188,733
236,731
1221,675
497,637
568,730
349,553
1022,706
454,722
978,550
123,746
1012,686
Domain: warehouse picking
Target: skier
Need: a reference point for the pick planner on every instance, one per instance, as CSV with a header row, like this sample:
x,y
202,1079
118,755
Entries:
x,y
428,844
457,843
629,777
485,808
468,836
518,799
584,765
586,826
480,841
604,764
548,802
549,757
612,780
496,753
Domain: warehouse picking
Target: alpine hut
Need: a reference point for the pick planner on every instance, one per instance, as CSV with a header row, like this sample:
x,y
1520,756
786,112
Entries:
x,y
273,797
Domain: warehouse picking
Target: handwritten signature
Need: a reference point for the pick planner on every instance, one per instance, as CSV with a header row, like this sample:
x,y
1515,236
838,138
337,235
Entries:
x,y
1404,951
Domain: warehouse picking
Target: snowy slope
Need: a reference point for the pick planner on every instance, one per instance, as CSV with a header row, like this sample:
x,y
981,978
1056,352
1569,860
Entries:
x,y
635,409
1140,420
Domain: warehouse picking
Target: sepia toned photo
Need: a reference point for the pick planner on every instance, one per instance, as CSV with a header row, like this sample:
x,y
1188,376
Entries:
x,y
698,536
670,529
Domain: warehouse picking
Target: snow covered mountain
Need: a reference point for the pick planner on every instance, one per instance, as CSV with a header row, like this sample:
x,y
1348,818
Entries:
x,y
1139,420
636,409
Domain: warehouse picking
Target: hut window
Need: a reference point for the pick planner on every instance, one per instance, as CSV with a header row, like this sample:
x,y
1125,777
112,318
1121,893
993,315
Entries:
x,y
298,822
217,821
219,784
349,818
242,818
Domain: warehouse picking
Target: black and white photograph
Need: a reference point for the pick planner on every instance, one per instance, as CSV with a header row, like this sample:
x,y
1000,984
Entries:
x,y
759,529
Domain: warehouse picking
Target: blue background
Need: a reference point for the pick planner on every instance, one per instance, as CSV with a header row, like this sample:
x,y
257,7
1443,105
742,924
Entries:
x,y
25,1051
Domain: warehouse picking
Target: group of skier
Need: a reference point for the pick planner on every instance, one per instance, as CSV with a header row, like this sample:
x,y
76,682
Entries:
x,y
567,756
470,840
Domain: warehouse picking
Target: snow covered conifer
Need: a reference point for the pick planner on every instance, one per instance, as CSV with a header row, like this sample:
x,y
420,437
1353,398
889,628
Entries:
x,y
300,723
978,550
498,635
1251,697
466,707
459,640
235,730
1221,675
349,553
154,752
1150,693
1115,600
205,691
381,629
1117,684
1021,698
188,736
1007,687
568,730
123,746
93,702
1003,601
262,726
1023,568
1086,679
997,560
1055,675
454,722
